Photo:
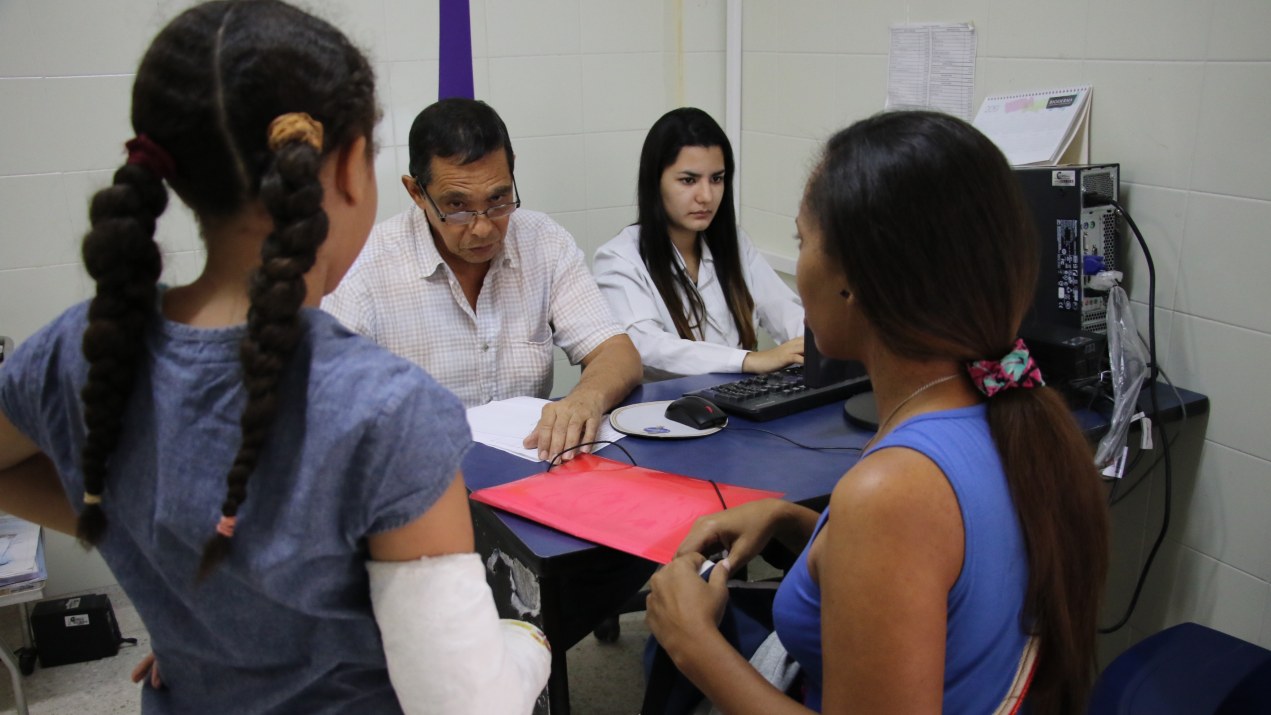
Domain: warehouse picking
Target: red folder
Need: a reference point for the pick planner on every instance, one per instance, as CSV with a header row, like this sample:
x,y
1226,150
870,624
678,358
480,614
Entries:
x,y
633,509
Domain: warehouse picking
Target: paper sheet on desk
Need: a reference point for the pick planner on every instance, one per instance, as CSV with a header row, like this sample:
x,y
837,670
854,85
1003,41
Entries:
x,y
20,541
504,424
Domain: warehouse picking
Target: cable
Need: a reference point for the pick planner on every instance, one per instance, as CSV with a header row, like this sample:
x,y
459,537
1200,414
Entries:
x,y
1151,386
718,493
1178,396
797,444
1151,556
552,462
1113,498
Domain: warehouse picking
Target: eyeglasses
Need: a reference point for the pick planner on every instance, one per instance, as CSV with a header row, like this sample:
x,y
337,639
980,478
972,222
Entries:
x,y
463,218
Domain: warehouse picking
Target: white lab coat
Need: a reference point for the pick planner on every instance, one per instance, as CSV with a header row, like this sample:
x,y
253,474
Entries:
x,y
626,284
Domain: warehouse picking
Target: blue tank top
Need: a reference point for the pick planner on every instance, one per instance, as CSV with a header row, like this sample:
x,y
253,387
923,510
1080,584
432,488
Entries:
x,y
985,637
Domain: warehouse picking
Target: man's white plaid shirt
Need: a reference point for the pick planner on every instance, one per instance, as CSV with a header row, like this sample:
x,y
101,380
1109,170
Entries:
x,y
401,294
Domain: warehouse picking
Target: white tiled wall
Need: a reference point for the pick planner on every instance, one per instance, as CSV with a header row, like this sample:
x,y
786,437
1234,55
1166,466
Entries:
x,y
1182,99
1181,95
578,82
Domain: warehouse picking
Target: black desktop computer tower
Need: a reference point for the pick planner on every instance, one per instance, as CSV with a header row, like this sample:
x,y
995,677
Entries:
x,y
1079,238
1066,329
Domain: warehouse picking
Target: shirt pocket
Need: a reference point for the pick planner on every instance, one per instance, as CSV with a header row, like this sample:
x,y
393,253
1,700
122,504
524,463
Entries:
x,y
537,344
528,363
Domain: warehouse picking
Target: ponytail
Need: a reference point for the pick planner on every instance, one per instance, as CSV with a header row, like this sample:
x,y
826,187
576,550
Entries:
x,y
1050,471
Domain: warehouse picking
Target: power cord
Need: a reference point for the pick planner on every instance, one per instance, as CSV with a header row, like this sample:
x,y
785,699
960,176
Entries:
x,y
1113,497
797,444
552,462
1153,370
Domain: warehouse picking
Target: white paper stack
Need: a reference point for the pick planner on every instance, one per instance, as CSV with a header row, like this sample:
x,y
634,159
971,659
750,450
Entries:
x,y
504,425
21,557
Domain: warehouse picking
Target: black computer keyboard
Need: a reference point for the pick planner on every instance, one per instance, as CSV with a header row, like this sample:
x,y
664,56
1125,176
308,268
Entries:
x,y
780,393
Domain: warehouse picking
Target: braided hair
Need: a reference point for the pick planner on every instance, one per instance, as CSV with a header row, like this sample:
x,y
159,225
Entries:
x,y
205,96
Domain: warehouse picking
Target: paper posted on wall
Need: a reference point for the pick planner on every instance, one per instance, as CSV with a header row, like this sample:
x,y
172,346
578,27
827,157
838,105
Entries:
x,y
1044,127
932,66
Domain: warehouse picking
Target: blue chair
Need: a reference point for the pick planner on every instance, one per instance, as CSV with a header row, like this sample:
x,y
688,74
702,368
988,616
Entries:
x,y
1186,670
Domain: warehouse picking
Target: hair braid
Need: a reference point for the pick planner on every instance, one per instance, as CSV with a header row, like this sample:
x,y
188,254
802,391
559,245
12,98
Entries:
x,y
120,254
204,99
293,195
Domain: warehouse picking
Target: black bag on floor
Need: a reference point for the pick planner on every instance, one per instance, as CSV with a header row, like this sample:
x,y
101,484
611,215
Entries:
x,y
75,629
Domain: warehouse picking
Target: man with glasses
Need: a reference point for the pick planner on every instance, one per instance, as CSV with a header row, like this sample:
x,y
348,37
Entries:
x,y
477,290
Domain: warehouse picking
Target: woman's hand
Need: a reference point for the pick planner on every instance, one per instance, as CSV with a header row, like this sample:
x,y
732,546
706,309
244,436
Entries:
x,y
787,353
148,667
742,531
682,605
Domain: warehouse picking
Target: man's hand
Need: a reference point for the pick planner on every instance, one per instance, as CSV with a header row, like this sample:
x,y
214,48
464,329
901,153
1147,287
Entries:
x,y
567,422
609,372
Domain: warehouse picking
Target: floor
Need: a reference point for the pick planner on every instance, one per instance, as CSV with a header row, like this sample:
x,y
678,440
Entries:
x,y
604,679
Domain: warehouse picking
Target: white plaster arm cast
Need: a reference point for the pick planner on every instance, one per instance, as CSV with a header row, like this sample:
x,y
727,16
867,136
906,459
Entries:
x,y
446,648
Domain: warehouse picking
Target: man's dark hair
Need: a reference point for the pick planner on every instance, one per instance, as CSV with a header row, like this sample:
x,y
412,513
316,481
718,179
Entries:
x,y
456,128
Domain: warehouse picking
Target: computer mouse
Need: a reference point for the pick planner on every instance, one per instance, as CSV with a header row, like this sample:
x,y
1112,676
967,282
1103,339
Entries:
x,y
696,412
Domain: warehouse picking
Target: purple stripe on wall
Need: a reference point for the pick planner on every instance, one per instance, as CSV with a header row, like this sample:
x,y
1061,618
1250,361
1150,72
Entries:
x,y
455,72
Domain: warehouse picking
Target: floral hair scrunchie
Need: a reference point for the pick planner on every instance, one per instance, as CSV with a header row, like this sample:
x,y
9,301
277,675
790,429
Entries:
x,y
1017,369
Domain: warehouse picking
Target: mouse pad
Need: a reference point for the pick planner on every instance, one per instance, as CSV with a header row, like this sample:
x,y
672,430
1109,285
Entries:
x,y
648,419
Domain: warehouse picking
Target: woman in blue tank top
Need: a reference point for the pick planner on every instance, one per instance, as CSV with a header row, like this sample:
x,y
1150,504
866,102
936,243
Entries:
x,y
960,561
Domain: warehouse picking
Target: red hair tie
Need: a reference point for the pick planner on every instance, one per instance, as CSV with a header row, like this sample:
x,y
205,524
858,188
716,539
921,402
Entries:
x,y
142,150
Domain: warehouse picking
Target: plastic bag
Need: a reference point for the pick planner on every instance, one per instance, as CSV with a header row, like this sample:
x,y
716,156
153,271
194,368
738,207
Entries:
x,y
1129,358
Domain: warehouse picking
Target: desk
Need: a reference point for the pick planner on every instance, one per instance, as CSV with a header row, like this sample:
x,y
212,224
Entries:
x,y
535,570
12,595
8,656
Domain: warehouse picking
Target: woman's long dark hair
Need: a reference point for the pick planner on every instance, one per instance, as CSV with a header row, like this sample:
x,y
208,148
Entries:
x,y
678,128
206,91
925,218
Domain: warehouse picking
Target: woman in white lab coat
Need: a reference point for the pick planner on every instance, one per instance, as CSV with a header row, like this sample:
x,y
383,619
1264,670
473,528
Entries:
x,y
685,282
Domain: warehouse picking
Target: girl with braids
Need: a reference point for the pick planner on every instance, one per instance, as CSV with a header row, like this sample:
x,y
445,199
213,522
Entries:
x,y
279,497
961,560
684,280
